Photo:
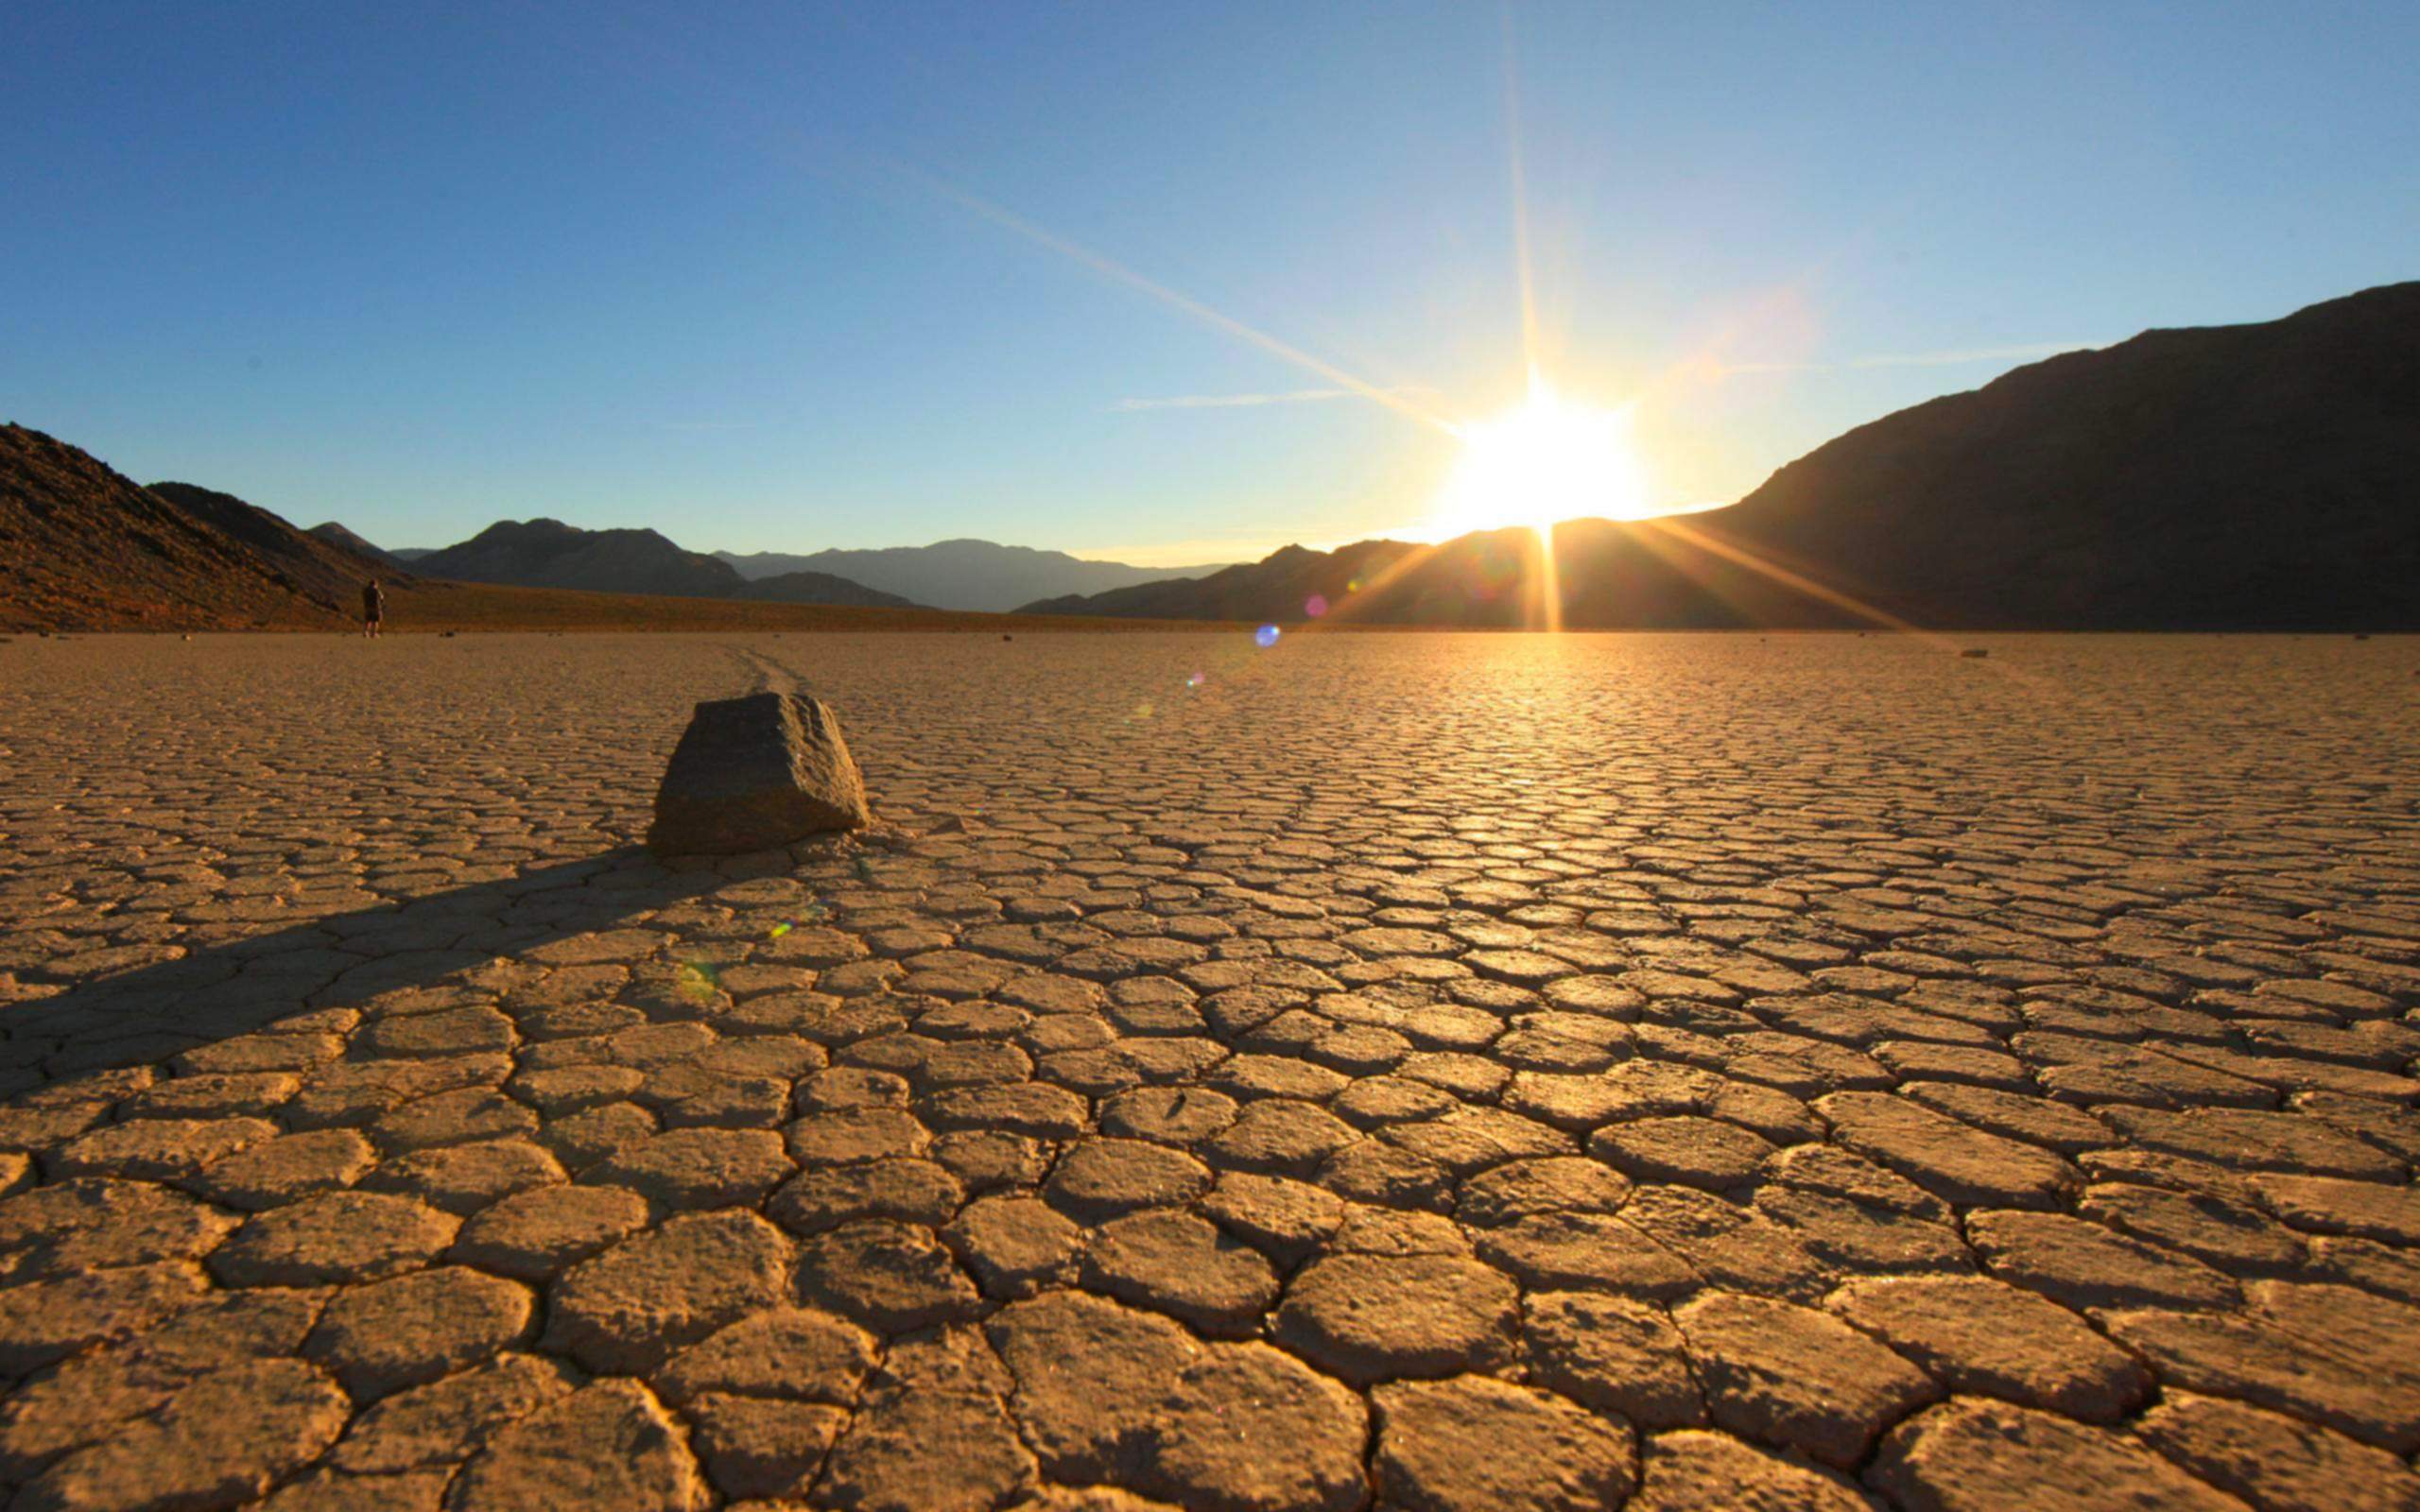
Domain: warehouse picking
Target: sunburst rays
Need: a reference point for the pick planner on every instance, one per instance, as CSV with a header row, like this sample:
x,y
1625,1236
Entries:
x,y
1557,485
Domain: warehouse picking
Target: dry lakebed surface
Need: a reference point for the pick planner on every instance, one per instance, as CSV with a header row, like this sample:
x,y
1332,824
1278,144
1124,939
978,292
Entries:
x,y
1428,1071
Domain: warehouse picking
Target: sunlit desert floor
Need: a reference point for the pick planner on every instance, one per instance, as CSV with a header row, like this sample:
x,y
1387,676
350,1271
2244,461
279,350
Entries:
x,y
1444,1072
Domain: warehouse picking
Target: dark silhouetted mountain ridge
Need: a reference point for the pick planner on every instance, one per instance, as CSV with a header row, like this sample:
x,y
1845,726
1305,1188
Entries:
x,y
2261,476
2219,477
965,574
549,553
1608,575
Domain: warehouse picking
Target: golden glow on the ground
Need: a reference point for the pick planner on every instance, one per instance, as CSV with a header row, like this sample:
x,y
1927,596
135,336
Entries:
x,y
1550,459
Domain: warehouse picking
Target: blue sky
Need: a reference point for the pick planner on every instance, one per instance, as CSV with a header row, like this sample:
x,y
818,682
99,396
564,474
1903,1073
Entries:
x,y
734,272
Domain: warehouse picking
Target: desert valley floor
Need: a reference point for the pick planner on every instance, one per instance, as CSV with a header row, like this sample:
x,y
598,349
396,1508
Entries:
x,y
1439,1072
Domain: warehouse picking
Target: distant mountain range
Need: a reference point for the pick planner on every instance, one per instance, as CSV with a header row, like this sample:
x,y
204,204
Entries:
x,y
1278,587
550,553
87,548
957,575
2261,476
965,574
1606,575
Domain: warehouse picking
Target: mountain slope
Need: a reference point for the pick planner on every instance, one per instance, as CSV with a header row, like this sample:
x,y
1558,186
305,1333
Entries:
x,y
1278,588
816,588
2237,477
86,548
963,573
550,553
1608,575
326,572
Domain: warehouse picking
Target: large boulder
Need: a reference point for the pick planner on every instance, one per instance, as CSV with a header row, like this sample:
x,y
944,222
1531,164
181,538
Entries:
x,y
753,773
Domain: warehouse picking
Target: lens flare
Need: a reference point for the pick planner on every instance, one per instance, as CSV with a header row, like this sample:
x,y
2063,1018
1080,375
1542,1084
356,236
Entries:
x,y
1266,636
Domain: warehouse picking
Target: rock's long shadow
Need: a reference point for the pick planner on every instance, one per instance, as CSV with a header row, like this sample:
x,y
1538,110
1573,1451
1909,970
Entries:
x,y
218,992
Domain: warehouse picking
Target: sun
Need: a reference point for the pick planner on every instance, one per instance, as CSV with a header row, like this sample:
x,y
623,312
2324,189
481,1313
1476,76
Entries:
x,y
1545,460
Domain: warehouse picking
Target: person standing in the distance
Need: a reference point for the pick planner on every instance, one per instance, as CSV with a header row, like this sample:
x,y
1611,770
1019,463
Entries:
x,y
373,609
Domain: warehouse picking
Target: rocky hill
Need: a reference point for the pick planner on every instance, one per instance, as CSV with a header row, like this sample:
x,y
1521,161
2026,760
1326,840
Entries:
x,y
88,548
2226,477
965,574
327,571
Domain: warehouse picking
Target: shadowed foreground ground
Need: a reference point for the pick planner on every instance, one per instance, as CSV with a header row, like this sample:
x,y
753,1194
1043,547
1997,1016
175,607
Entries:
x,y
1441,1071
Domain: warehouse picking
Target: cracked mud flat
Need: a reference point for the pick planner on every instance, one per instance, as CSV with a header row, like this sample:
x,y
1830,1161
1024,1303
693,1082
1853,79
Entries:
x,y
1435,1072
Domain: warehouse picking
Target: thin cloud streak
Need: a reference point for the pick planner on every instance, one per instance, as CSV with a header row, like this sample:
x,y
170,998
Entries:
x,y
2022,352
1953,357
1118,272
1291,396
